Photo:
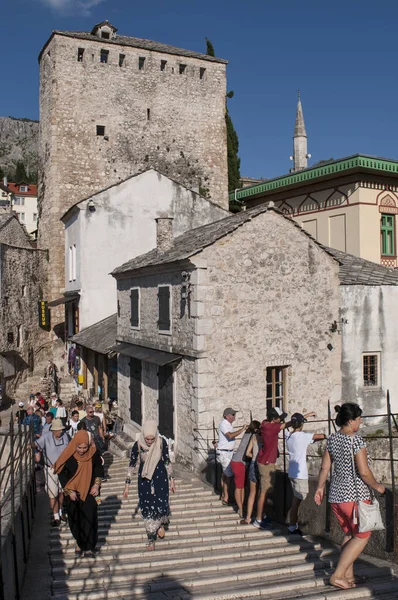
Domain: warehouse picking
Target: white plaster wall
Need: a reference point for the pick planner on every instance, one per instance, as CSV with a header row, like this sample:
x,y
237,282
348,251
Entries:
x,y
372,327
73,236
123,226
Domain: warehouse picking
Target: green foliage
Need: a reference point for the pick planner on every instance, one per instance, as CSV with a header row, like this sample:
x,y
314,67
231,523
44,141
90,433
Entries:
x,y
209,48
232,138
20,173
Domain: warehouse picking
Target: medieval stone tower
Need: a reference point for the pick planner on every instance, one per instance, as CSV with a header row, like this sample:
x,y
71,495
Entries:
x,y
111,106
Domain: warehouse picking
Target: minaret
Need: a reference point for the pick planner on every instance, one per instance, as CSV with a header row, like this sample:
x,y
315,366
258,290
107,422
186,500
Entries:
x,y
300,154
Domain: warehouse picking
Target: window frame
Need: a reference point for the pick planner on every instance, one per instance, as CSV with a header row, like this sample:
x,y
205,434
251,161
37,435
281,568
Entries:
x,y
138,320
385,230
104,54
371,386
169,330
141,63
275,400
99,129
80,55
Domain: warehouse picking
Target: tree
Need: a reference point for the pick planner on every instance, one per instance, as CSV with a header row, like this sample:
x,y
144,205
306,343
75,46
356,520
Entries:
x,y
232,138
20,173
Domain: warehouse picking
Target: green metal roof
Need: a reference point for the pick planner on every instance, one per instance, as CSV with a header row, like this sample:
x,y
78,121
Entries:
x,y
334,167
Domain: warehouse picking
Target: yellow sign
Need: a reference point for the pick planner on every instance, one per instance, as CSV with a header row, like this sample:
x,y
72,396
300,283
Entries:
x,y
44,314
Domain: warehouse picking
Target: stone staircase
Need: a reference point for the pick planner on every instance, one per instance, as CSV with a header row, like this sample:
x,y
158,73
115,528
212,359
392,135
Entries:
x,y
206,555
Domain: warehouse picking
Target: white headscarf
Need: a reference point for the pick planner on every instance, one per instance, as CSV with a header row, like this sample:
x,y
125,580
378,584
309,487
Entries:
x,y
154,452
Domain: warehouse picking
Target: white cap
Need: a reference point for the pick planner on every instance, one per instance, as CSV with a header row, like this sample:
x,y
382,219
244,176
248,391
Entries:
x,y
21,404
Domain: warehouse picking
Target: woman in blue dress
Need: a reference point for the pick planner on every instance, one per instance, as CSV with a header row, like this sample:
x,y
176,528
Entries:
x,y
154,480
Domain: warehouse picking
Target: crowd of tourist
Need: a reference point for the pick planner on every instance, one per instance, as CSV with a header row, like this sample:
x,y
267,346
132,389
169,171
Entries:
x,y
68,445
253,462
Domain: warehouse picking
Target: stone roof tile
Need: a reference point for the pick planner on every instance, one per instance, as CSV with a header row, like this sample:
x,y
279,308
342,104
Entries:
x,y
353,270
99,337
124,40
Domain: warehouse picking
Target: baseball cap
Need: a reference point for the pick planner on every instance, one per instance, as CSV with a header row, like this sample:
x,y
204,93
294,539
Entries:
x,y
229,411
276,413
298,418
20,404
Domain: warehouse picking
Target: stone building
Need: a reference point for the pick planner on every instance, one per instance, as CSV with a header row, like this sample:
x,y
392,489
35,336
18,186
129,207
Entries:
x,y
235,313
112,106
20,336
24,204
250,312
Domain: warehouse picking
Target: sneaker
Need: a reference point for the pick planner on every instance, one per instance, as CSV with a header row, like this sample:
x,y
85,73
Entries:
x,y
56,523
296,531
264,524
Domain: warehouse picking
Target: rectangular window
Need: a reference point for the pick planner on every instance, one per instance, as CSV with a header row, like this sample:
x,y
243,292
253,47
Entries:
x,y
182,69
276,387
34,217
135,307
19,336
136,390
80,54
22,201
105,35
148,114
202,72
21,217
70,267
17,201
74,262
10,337
371,369
164,322
24,291
163,64
121,59
141,63
388,235
100,129
104,55
23,188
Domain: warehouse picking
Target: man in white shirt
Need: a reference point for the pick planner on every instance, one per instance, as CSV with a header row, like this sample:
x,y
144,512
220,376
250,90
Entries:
x,y
225,448
297,442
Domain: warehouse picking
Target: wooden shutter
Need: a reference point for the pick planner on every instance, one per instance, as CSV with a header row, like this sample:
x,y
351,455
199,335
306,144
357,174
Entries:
x,y
164,308
134,306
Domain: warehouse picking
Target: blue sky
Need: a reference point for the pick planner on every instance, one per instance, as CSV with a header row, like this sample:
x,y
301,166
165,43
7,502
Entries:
x,y
342,56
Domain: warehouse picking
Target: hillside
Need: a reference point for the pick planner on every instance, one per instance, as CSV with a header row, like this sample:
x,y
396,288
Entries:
x,y
18,143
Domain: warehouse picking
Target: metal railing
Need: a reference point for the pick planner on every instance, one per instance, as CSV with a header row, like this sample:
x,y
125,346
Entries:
x,y
206,442
17,506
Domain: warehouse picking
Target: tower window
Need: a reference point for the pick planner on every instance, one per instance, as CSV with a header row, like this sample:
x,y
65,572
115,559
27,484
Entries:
x,y
105,35
100,129
148,113
182,69
202,72
163,64
141,63
80,54
104,55
121,59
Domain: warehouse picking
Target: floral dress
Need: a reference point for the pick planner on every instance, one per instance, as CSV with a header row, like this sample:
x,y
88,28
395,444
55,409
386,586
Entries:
x,y
154,493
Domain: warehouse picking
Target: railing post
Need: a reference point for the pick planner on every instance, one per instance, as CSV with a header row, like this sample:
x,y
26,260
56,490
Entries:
x,y
13,532
390,527
328,507
21,494
215,458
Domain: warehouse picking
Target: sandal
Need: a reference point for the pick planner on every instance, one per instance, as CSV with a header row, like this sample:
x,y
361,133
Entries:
x,y
161,530
150,546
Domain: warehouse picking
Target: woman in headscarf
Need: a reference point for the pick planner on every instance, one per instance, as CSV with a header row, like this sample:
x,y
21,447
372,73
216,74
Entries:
x,y
80,472
154,479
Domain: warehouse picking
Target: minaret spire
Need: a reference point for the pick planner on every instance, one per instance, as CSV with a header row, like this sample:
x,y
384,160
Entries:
x,y
300,154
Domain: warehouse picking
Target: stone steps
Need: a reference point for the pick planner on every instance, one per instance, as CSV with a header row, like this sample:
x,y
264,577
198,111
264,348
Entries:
x,y
206,555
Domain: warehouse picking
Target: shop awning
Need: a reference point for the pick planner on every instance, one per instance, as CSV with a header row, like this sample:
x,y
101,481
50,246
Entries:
x,y
63,300
150,355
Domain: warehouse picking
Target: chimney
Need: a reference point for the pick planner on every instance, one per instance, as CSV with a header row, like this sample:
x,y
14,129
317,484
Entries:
x,y
164,233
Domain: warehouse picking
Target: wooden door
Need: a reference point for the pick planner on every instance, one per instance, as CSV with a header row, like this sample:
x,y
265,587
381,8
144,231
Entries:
x,y
136,390
166,401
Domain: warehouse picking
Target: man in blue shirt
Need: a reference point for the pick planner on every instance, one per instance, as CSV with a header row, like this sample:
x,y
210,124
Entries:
x,y
34,420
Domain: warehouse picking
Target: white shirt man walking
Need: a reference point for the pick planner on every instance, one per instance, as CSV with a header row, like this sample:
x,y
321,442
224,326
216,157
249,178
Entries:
x,y
225,448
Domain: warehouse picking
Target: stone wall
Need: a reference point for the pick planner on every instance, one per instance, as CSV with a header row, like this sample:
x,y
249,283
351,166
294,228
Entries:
x,y
20,292
171,121
267,298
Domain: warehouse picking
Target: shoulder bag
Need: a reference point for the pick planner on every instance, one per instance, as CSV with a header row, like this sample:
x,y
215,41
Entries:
x,y
368,516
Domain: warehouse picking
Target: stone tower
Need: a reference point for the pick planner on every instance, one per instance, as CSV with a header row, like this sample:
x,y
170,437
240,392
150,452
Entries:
x,y
300,156
112,106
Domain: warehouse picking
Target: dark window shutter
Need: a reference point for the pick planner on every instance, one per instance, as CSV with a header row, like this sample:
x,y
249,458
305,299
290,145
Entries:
x,y
134,316
164,308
